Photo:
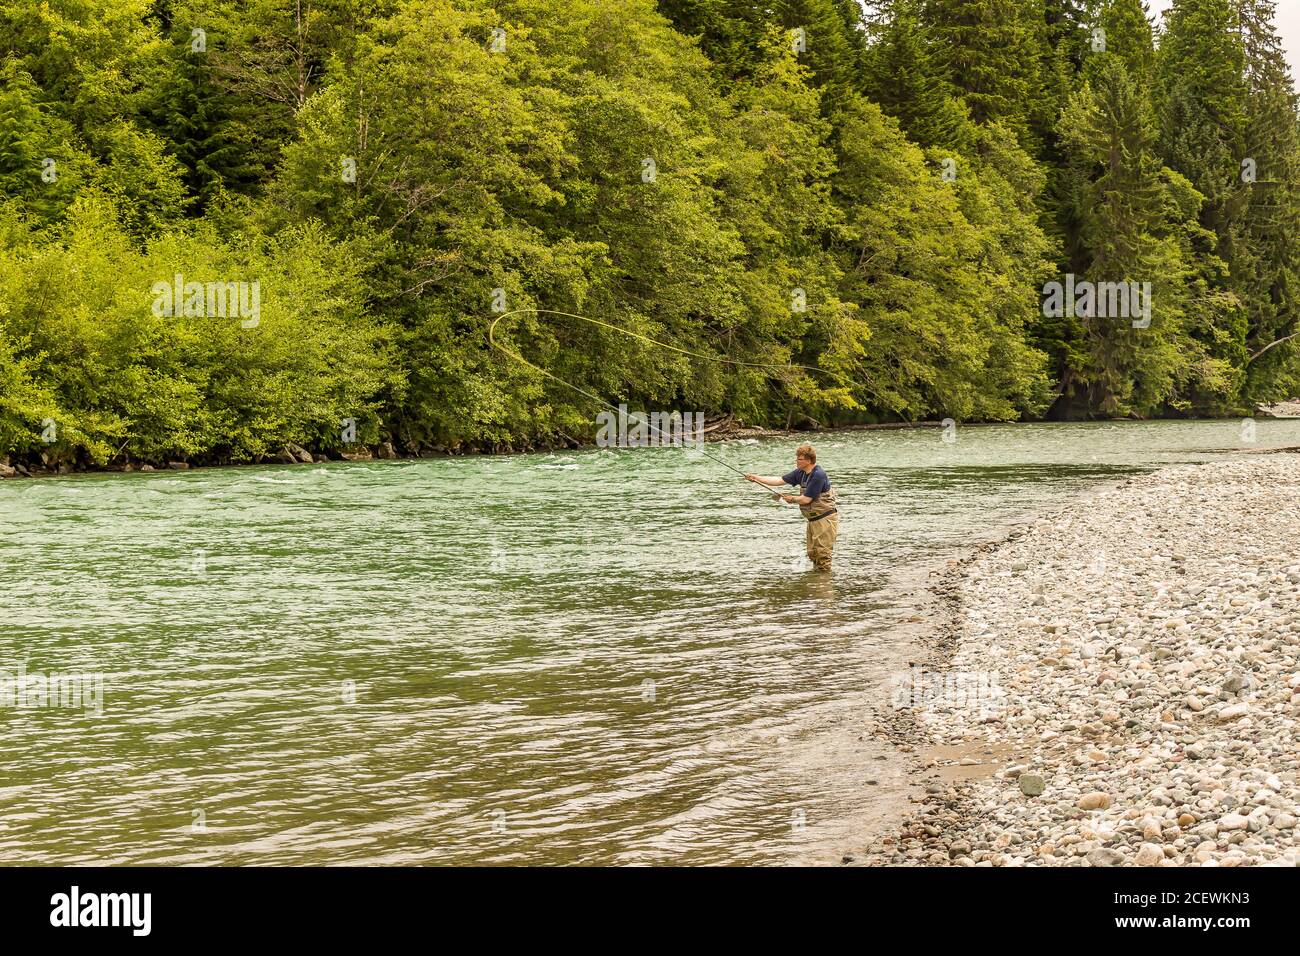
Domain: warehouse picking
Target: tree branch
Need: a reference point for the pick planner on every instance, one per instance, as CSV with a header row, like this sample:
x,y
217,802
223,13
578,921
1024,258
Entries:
x,y
1285,338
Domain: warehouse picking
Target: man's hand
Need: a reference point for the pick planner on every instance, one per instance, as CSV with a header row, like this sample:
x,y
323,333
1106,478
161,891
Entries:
x,y
788,499
753,478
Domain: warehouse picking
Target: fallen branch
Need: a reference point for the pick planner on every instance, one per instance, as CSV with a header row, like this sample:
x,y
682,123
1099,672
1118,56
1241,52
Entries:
x,y
1287,338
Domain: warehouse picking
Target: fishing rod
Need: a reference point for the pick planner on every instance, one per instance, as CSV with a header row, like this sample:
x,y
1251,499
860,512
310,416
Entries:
x,y
645,338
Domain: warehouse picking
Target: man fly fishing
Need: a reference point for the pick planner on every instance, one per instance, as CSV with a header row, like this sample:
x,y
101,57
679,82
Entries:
x,y
816,502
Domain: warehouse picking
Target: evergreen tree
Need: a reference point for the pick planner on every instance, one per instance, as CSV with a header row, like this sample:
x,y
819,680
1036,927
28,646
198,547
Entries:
x,y
826,34
194,115
903,78
1204,110
1268,265
41,162
1127,34
992,53
1108,128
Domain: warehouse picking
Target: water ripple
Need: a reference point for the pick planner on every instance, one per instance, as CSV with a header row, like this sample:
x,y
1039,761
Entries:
x,y
588,657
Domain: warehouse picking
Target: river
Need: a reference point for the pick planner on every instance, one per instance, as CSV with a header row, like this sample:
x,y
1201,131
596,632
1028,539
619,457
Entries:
x,y
600,656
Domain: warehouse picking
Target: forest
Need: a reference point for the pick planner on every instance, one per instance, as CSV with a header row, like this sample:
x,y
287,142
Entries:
x,y
834,213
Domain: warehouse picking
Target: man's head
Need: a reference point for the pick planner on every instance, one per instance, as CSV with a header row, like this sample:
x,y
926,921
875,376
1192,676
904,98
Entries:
x,y
805,457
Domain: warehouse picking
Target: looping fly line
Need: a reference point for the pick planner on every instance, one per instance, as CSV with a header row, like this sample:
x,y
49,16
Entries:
x,y
636,335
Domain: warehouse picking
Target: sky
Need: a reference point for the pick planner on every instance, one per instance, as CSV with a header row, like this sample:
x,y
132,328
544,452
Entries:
x,y
1288,25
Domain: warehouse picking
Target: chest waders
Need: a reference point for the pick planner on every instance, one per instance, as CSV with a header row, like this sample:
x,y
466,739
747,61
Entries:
x,y
823,527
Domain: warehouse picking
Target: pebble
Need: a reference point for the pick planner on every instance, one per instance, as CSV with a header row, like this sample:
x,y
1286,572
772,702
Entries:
x,y
1149,854
1103,856
1138,650
1235,712
1031,785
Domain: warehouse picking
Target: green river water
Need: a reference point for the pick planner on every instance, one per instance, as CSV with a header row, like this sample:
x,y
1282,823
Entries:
x,y
601,656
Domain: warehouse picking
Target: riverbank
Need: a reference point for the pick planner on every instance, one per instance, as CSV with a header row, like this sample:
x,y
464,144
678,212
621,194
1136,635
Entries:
x,y
54,464
1118,684
55,461
58,462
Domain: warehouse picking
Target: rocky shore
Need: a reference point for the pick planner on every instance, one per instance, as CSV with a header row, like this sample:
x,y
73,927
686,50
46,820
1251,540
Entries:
x,y
1133,663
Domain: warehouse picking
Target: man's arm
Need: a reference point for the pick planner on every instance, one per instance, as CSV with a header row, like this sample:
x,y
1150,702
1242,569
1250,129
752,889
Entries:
x,y
790,479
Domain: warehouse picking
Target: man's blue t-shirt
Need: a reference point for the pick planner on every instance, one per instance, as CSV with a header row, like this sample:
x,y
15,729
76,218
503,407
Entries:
x,y
811,483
